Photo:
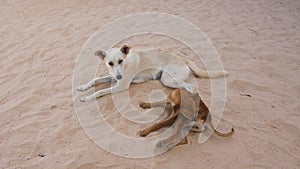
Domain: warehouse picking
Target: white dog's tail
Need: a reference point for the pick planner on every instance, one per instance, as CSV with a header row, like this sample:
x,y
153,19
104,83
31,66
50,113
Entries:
x,y
205,74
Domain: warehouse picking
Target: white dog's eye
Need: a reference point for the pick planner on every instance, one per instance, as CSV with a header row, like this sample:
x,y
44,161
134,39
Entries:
x,y
120,61
111,63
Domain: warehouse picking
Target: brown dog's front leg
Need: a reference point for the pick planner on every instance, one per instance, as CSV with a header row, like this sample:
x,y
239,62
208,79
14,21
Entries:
x,y
146,105
154,127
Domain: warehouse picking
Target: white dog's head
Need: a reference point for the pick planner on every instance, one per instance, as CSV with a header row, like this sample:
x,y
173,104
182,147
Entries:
x,y
113,59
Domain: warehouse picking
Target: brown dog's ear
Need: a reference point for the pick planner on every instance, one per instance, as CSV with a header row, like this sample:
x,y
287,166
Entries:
x,y
101,54
125,49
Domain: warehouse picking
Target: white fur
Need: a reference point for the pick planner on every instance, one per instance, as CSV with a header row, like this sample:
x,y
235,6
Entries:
x,y
143,65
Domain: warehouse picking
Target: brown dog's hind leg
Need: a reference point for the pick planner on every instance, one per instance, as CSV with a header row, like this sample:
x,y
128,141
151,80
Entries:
x,y
197,127
183,141
156,126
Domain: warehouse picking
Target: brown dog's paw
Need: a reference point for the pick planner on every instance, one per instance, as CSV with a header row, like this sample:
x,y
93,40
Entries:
x,y
145,105
143,133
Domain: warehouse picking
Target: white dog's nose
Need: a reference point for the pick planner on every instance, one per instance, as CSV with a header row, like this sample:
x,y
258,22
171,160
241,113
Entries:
x,y
119,77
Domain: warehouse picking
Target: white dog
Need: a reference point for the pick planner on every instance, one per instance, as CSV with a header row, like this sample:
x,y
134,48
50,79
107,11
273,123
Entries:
x,y
136,66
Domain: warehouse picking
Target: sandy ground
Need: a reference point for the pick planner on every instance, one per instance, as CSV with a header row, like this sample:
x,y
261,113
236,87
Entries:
x,y
259,44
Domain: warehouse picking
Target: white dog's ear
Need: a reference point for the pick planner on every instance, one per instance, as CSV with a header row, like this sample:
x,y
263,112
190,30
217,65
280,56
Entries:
x,y
101,54
125,49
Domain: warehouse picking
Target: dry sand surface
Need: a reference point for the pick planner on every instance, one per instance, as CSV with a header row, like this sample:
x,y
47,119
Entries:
x,y
259,44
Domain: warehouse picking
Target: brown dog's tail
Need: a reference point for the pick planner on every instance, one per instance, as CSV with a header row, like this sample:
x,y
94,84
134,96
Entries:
x,y
205,74
224,134
217,132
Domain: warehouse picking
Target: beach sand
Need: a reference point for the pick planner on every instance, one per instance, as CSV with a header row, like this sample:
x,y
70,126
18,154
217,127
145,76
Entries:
x,y
259,45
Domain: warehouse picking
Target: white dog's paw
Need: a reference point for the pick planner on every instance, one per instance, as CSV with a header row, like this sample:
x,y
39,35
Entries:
x,y
84,99
82,88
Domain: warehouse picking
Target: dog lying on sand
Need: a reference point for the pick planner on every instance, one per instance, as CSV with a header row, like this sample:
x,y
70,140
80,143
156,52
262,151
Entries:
x,y
187,110
128,66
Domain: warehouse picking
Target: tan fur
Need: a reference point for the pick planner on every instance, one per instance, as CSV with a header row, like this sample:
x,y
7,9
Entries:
x,y
183,113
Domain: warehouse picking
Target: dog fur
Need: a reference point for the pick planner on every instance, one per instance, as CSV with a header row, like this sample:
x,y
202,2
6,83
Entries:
x,y
128,66
187,112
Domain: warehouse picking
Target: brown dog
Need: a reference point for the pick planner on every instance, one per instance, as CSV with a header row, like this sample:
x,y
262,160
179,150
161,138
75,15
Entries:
x,y
185,115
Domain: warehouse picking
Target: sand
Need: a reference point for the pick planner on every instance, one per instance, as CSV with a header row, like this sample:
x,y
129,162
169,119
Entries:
x,y
258,42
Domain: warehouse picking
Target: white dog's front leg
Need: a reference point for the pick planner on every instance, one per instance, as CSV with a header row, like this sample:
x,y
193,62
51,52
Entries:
x,y
114,89
96,81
